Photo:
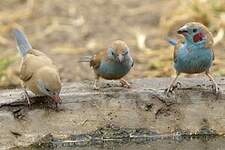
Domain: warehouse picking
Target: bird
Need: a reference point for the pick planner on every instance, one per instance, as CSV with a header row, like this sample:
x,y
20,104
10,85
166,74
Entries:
x,y
37,71
112,63
194,54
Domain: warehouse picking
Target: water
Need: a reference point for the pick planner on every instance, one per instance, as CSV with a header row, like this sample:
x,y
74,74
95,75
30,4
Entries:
x,y
195,144
192,144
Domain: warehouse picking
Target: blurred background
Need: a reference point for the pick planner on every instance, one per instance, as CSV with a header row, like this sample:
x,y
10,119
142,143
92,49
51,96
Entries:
x,y
69,29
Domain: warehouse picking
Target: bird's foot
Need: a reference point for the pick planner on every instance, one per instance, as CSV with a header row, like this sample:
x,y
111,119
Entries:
x,y
56,106
27,98
171,89
125,83
95,87
60,101
178,84
216,89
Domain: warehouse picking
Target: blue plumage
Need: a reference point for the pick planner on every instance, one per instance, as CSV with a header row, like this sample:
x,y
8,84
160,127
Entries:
x,y
112,63
23,45
172,42
195,55
114,70
194,60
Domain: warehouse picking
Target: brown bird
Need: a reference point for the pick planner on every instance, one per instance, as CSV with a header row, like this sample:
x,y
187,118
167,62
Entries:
x,y
37,70
112,63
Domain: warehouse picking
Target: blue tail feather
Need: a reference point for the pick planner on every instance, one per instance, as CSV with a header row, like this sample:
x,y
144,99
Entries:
x,y
172,42
23,45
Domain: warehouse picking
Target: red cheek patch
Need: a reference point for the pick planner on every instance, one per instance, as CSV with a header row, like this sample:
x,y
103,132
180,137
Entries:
x,y
198,37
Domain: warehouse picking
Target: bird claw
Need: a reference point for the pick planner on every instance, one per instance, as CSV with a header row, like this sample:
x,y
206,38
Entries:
x,y
60,101
125,83
169,91
216,89
178,84
26,96
96,87
172,88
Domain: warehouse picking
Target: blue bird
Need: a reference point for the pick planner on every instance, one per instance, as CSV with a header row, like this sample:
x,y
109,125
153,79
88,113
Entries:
x,y
195,55
112,63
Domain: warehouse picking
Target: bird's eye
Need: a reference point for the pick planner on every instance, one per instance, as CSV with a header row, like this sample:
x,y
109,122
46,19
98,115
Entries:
x,y
47,90
125,53
194,30
113,53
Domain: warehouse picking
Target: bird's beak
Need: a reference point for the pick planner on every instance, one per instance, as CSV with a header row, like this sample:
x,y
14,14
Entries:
x,y
183,30
121,58
56,98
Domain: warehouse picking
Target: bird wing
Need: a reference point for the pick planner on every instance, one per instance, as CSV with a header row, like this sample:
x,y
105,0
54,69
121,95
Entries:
x,y
32,62
176,49
40,54
210,40
132,65
25,73
96,59
213,54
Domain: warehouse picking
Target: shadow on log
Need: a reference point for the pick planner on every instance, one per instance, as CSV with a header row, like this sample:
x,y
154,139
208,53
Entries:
x,y
192,108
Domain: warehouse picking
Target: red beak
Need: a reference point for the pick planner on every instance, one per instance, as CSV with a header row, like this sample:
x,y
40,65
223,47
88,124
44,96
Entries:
x,y
57,99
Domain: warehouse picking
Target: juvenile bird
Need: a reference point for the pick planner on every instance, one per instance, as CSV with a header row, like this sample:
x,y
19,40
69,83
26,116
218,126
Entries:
x,y
112,63
37,71
196,54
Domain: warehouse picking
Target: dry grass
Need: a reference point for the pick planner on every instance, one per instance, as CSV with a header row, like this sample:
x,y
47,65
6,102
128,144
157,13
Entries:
x,y
67,30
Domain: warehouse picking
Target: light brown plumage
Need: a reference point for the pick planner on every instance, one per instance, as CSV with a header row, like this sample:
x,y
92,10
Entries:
x,y
37,70
36,65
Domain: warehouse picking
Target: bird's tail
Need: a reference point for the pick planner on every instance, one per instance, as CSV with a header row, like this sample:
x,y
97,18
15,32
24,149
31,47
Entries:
x,y
23,45
85,59
171,41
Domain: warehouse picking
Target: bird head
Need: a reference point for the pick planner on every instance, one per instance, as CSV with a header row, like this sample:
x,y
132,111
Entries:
x,y
118,51
195,33
49,83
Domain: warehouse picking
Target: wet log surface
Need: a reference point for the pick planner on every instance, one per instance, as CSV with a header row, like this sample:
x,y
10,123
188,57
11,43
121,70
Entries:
x,y
112,113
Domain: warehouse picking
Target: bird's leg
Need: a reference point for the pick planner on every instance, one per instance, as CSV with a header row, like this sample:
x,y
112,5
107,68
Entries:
x,y
27,96
171,87
125,83
95,86
213,81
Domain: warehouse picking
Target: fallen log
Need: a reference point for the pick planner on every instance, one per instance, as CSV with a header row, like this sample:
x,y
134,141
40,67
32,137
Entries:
x,y
192,107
